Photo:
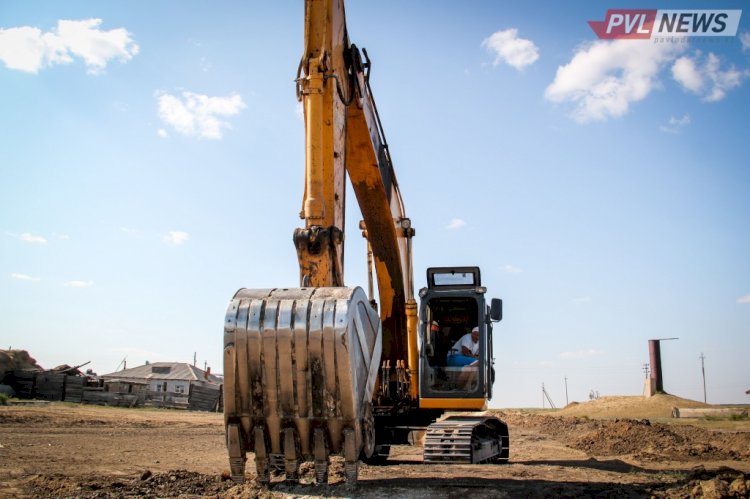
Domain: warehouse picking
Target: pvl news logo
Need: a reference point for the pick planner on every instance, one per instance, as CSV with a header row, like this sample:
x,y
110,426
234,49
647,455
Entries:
x,y
643,24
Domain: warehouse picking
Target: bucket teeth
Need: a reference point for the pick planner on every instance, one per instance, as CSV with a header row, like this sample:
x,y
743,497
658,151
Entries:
x,y
237,457
291,461
321,472
351,456
301,366
320,450
237,469
351,471
261,456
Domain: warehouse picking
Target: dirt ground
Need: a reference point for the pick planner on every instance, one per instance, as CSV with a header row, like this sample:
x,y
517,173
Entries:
x,y
585,450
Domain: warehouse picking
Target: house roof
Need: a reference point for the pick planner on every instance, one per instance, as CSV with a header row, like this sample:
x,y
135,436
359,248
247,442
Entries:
x,y
131,381
178,371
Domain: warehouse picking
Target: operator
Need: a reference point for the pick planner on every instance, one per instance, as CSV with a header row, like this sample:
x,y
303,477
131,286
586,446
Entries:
x,y
465,351
435,328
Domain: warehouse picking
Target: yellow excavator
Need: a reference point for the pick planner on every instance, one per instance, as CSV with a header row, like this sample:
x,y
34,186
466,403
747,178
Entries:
x,y
325,369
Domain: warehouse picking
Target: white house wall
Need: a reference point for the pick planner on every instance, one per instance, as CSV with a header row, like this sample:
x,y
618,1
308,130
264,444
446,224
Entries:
x,y
156,385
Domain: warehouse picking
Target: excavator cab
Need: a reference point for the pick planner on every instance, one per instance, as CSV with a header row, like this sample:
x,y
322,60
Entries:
x,y
456,336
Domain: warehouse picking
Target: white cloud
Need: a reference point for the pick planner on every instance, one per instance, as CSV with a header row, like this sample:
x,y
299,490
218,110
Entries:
x,y
603,78
510,269
581,354
707,79
455,223
744,299
24,277
79,284
31,238
581,300
507,47
197,115
745,40
674,125
687,74
28,49
176,237
162,133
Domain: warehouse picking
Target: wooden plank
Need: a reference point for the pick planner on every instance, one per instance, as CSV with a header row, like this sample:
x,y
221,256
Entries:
x,y
74,389
204,397
100,397
50,386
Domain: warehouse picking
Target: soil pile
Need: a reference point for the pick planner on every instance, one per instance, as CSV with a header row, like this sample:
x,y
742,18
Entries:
x,y
654,441
633,407
646,440
724,482
13,360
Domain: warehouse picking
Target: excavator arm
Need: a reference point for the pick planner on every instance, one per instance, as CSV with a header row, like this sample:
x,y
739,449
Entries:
x,y
343,134
303,366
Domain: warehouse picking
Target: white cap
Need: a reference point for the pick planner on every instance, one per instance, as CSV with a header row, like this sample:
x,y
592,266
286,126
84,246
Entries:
x,y
475,330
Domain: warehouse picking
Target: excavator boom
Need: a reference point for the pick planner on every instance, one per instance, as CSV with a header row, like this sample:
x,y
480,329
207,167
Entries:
x,y
343,135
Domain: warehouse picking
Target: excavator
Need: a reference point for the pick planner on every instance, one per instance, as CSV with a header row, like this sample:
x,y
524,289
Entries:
x,y
323,369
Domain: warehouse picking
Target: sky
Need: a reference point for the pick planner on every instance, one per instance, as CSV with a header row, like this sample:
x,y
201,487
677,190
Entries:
x,y
152,163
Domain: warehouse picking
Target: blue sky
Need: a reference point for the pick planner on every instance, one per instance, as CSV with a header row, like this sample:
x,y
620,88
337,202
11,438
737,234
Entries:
x,y
152,163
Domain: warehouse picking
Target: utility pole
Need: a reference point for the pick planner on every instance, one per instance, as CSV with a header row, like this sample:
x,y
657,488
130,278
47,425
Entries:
x,y
703,371
566,390
546,395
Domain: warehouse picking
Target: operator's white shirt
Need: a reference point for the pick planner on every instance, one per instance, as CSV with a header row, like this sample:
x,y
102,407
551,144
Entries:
x,y
467,342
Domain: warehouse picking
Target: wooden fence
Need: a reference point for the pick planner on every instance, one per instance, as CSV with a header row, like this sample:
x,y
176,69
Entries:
x,y
49,385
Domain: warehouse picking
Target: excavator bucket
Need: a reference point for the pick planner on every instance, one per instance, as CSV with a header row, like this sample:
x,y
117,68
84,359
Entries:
x,y
300,367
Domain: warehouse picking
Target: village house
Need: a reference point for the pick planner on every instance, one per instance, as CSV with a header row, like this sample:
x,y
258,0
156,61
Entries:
x,y
176,384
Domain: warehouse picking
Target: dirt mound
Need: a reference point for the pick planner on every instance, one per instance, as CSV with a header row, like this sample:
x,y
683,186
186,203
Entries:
x,y
648,441
724,482
633,407
654,442
12,360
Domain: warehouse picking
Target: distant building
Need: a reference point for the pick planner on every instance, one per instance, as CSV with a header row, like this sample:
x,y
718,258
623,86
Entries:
x,y
176,384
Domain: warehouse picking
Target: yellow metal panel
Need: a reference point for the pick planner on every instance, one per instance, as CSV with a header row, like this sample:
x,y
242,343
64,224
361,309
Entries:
x,y
459,404
325,123
413,363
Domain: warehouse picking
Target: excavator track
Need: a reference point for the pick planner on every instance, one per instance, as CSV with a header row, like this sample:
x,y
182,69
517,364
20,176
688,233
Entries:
x,y
467,440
